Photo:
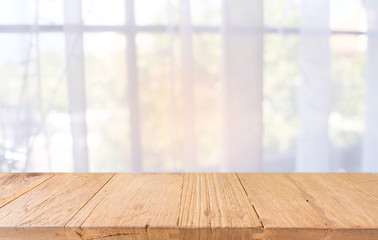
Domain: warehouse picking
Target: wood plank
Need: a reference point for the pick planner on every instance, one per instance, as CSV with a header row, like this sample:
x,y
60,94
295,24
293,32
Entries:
x,y
281,207
346,210
132,206
278,202
46,209
13,185
311,206
214,202
365,182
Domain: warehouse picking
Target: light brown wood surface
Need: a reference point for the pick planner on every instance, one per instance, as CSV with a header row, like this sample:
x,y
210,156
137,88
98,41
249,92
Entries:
x,y
121,206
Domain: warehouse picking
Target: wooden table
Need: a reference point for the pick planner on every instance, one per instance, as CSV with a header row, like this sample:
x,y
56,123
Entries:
x,y
107,206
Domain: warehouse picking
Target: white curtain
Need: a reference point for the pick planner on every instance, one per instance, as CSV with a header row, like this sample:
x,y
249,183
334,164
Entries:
x,y
188,85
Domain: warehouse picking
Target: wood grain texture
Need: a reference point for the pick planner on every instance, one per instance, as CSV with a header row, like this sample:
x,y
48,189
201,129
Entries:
x,y
338,202
48,207
312,206
14,185
132,206
256,206
283,210
212,202
364,182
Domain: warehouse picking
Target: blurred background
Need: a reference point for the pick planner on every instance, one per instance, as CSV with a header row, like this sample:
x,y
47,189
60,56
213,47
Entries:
x,y
188,85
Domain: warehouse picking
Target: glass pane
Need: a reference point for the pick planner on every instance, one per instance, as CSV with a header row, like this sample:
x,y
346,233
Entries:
x,y
151,12
282,13
24,12
281,77
57,136
100,12
206,12
17,12
347,15
159,101
34,119
15,100
51,12
14,54
107,112
208,96
347,113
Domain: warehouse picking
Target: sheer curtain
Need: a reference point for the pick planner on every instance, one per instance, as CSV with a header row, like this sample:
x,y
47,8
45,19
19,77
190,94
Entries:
x,y
188,85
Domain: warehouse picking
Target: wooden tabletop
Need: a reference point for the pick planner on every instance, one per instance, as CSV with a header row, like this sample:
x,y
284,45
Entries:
x,y
107,206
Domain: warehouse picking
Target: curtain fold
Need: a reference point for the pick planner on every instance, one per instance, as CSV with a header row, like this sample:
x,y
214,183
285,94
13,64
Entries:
x,y
370,143
242,49
313,147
